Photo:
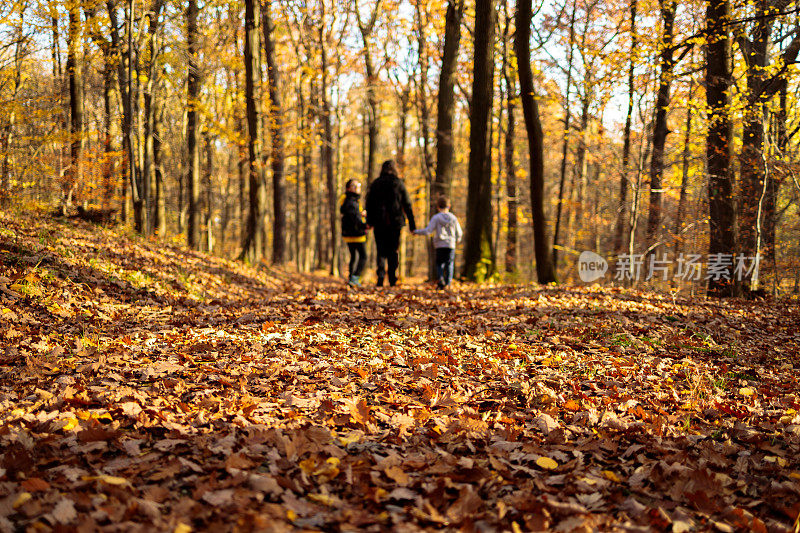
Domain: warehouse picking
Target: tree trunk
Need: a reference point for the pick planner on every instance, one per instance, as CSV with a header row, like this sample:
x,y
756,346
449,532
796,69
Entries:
x,y
752,168
530,110
159,204
423,110
445,147
422,99
109,179
8,131
479,260
580,170
404,97
511,168
681,214
373,124
150,107
718,139
278,148
660,130
75,74
770,201
327,149
253,245
209,190
58,85
633,224
619,231
192,128
124,62
56,49
306,120
565,144
138,192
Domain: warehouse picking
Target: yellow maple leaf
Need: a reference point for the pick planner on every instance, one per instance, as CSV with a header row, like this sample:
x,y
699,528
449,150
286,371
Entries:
x,y
22,499
612,476
324,499
108,480
546,463
71,424
308,465
349,439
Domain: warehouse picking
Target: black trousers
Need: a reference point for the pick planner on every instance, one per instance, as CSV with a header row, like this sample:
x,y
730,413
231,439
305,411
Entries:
x,y
358,257
387,241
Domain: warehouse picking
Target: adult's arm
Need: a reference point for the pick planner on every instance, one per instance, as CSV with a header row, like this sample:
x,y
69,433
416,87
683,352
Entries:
x,y
406,202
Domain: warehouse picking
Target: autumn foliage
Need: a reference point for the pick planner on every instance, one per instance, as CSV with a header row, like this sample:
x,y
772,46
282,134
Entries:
x,y
147,387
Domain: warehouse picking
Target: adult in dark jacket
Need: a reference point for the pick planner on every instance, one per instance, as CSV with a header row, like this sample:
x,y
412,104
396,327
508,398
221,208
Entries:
x,y
388,205
354,230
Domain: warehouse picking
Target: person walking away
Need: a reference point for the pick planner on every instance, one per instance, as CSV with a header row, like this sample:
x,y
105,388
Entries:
x,y
446,234
354,230
388,206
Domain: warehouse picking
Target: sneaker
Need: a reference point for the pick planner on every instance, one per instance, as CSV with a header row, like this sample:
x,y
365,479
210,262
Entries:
x,y
354,281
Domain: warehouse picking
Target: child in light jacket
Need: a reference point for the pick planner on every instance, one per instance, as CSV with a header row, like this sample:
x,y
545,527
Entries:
x,y
446,233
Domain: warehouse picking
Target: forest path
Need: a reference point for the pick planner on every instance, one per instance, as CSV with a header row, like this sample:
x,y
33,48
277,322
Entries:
x,y
146,387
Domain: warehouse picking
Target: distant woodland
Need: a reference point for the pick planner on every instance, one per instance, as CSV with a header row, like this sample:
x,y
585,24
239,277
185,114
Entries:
x,y
627,128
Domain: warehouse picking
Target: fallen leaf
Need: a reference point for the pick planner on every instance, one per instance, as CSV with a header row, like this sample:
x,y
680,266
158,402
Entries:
x,y
35,484
64,511
546,463
219,498
22,499
396,473
108,480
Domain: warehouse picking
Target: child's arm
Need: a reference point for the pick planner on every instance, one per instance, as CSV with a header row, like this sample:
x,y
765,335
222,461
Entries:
x,y
459,232
427,231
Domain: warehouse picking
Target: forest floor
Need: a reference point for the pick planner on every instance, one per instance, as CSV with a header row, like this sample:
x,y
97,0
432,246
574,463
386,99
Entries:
x,y
145,387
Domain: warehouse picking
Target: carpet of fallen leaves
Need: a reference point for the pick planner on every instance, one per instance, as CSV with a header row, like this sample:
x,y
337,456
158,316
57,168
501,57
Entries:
x,y
144,387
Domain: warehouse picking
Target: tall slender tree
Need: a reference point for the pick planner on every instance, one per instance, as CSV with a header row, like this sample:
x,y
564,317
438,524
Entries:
x,y
122,56
510,142
327,144
565,142
761,85
150,110
660,129
622,208
366,28
545,272
479,260
719,138
682,196
75,76
253,245
193,127
8,128
276,113
445,147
